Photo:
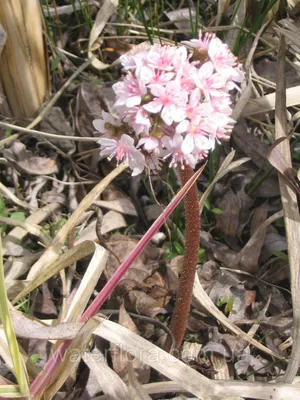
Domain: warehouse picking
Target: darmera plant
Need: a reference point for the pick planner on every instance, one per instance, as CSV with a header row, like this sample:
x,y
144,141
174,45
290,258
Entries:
x,y
173,105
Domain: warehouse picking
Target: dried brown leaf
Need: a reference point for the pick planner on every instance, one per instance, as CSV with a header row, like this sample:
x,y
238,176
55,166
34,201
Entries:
x,y
228,221
26,162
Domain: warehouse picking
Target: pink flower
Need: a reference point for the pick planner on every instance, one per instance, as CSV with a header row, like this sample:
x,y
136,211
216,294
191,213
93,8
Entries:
x,y
174,149
123,150
131,61
195,108
154,76
222,58
170,105
107,124
129,91
221,105
169,100
161,57
149,143
202,43
209,82
138,119
198,134
185,75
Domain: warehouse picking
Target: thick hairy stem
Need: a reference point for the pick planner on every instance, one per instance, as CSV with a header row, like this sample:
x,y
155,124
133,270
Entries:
x,y
184,293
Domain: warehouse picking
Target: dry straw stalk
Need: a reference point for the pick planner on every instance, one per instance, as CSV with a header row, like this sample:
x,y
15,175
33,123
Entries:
x,y
23,71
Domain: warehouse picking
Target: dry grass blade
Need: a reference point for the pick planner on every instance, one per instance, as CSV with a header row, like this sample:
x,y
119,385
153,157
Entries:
x,y
222,5
53,250
200,298
259,390
71,256
88,283
105,12
136,390
19,368
71,358
16,235
290,210
160,360
15,199
110,383
33,229
185,377
267,103
239,15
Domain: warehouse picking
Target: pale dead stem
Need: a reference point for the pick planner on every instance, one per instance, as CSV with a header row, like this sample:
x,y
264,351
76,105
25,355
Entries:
x,y
15,199
46,134
290,209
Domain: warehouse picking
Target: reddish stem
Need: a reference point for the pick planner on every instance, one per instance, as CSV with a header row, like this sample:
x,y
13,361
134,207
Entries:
x,y
42,380
191,250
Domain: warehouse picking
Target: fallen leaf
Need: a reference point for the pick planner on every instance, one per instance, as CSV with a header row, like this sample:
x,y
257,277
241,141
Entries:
x,y
56,122
275,158
123,205
143,267
273,242
220,251
26,162
228,221
249,261
91,100
250,144
182,18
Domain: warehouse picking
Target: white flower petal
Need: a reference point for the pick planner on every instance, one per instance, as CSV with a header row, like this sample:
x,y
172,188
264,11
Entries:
x,y
154,106
133,101
182,126
99,125
188,144
167,114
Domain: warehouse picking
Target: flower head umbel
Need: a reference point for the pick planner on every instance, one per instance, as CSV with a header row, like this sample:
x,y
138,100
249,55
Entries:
x,y
171,104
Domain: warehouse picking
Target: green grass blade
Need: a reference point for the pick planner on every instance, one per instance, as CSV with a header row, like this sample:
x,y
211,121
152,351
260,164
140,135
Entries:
x,y
19,367
143,19
10,391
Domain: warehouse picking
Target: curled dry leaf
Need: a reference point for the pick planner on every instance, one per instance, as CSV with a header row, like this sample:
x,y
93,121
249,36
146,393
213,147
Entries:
x,y
225,288
228,221
143,267
122,205
273,243
26,162
219,250
111,221
91,100
182,18
251,251
106,11
276,158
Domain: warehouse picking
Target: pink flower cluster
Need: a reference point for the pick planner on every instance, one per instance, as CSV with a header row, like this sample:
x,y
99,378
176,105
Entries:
x,y
171,104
